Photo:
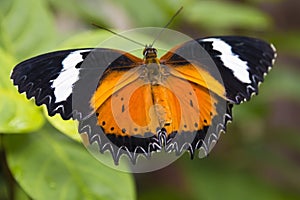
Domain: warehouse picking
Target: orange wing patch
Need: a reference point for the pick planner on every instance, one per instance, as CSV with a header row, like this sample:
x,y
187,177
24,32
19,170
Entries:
x,y
196,105
128,112
138,109
112,82
200,77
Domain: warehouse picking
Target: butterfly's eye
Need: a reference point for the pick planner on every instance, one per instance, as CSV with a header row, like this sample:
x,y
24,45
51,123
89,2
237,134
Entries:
x,y
150,52
145,52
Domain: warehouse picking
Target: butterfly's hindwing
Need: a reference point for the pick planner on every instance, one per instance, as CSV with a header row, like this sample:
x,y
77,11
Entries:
x,y
203,105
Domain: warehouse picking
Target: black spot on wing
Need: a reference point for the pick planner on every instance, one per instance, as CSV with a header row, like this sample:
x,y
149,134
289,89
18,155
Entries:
x,y
191,103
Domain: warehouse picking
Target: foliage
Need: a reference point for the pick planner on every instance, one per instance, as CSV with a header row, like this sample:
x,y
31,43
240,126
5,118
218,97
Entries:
x,y
258,158
62,169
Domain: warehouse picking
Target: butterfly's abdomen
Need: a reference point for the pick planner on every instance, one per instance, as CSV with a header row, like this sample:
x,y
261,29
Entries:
x,y
165,105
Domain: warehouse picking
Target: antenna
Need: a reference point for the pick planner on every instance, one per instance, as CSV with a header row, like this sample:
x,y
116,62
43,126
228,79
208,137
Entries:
x,y
122,36
138,43
170,21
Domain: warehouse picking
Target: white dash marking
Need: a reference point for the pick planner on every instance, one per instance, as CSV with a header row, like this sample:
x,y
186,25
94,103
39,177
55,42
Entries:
x,y
231,60
63,84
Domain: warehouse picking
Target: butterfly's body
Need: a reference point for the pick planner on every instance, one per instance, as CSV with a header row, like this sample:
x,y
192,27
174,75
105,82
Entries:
x,y
176,102
155,74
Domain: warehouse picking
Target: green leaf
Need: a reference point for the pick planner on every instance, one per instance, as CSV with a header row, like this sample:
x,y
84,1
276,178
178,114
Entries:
x,y
216,15
50,166
19,194
29,31
68,127
85,39
18,115
6,62
4,7
145,17
287,42
99,12
120,14
283,80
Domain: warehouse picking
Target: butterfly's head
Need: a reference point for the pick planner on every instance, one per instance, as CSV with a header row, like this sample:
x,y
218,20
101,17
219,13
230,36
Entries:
x,y
149,52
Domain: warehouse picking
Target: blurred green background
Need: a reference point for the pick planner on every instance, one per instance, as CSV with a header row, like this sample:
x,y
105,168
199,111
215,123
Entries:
x,y
258,157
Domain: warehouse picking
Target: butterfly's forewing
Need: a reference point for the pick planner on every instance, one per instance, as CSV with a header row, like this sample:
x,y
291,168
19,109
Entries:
x,y
49,79
242,61
64,80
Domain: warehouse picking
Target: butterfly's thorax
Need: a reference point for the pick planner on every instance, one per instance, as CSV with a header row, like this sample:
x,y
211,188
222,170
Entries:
x,y
152,71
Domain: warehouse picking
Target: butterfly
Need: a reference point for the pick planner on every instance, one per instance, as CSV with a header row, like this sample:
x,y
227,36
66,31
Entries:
x,y
130,105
